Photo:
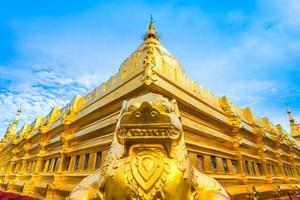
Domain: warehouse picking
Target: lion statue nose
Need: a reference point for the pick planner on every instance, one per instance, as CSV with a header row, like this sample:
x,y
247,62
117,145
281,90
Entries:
x,y
146,111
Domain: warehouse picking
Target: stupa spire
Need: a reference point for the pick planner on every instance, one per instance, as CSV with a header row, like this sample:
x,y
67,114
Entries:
x,y
12,128
295,128
151,33
17,118
291,118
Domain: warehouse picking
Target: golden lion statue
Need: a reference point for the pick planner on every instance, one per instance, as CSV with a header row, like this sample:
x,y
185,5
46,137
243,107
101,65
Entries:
x,y
148,159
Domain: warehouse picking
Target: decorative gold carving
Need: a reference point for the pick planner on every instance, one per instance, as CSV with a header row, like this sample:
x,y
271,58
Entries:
x,y
27,147
261,149
236,122
232,115
44,129
292,157
278,153
50,119
70,114
149,75
278,138
278,192
69,118
291,144
259,131
146,174
149,62
254,194
237,141
148,158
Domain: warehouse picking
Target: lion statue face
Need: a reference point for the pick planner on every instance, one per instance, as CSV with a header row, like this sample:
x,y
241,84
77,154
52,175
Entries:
x,y
149,120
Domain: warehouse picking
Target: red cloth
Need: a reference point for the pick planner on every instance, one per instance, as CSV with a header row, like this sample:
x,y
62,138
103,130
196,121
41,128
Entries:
x,y
14,196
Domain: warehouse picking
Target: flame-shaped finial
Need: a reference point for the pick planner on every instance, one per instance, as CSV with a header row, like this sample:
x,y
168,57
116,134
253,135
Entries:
x,y
151,33
289,112
17,118
12,128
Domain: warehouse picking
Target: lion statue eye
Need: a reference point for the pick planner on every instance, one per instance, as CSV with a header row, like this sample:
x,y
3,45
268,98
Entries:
x,y
154,113
133,106
164,106
137,114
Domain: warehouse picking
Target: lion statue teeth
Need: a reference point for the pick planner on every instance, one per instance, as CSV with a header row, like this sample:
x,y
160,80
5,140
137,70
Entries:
x,y
148,159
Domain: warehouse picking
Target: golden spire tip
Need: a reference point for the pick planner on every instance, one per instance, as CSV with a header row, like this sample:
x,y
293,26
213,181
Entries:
x,y
151,33
291,118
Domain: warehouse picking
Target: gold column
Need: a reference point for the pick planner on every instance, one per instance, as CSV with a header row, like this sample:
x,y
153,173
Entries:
x,y
230,167
220,165
292,159
11,166
10,169
207,163
81,162
46,166
268,174
65,137
92,161
61,166
193,159
39,166
250,168
260,132
72,162
51,168
104,154
237,141
23,166
257,170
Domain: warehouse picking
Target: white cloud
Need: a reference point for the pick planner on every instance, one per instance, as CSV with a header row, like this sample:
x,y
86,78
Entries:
x,y
251,93
48,88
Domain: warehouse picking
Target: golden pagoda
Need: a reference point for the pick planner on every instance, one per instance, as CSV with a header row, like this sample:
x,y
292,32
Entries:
x,y
249,156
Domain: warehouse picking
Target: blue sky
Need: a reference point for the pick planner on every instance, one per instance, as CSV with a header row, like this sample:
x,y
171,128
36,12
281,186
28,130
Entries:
x,y
51,50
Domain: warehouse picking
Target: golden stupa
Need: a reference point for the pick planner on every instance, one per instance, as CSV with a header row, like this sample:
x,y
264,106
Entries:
x,y
150,132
